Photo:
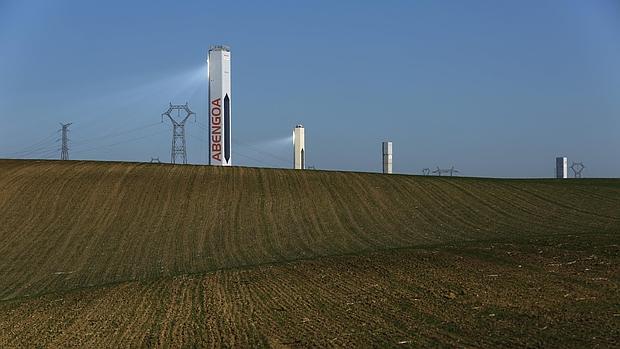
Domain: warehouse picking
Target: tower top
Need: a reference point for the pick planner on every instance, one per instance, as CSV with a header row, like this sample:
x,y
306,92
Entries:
x,y
219,48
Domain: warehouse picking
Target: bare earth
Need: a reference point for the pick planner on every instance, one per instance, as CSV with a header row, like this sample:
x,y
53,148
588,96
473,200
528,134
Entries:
x,y
99,254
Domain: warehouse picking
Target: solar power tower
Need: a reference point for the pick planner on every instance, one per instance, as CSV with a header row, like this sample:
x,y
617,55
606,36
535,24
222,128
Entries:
x,y
387,157
561,167
299,147
220,134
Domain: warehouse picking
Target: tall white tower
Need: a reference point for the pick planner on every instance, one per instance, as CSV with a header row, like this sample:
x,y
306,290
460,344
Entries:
x,y
299,148
387,157
561,167
220,152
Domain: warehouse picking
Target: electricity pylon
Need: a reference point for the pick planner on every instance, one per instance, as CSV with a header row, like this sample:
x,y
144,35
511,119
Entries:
x,y
450,171
64,148
178,131
577,168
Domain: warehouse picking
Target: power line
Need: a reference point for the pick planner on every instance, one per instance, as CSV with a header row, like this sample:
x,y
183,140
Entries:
x,y
259,151
119,143
38,150
204,144
252,148
114,134
49,154
42,147
39,146
236,152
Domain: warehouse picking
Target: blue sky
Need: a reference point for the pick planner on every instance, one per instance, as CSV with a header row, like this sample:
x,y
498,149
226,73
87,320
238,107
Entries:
x,y
495,88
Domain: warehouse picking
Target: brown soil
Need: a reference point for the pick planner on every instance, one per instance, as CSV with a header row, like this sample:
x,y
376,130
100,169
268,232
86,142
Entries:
x,y
112,254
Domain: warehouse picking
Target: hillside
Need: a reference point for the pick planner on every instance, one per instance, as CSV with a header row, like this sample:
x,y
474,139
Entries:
x,y
112,254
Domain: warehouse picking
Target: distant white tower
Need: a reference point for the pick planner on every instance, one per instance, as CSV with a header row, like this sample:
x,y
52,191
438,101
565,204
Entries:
x,y
299,148
387,157
561,167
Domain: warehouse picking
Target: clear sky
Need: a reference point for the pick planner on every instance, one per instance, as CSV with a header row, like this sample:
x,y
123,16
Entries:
x,y
494,88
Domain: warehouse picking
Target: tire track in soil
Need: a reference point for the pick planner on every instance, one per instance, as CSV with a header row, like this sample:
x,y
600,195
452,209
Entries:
x,y
100,223
287,304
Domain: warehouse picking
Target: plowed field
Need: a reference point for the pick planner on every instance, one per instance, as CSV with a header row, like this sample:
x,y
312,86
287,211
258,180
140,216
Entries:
x,y
99,254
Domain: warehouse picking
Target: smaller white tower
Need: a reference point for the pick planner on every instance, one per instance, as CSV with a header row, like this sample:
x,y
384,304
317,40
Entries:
x,y
561,167
299,148
387,157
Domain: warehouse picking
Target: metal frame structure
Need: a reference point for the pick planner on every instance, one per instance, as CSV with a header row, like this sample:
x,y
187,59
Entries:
x,y
450,171
577,168
64,148
178,131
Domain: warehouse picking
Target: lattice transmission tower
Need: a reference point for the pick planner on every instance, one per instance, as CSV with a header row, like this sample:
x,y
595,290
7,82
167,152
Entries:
x,y
451,171
64,148
577,168
178,152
